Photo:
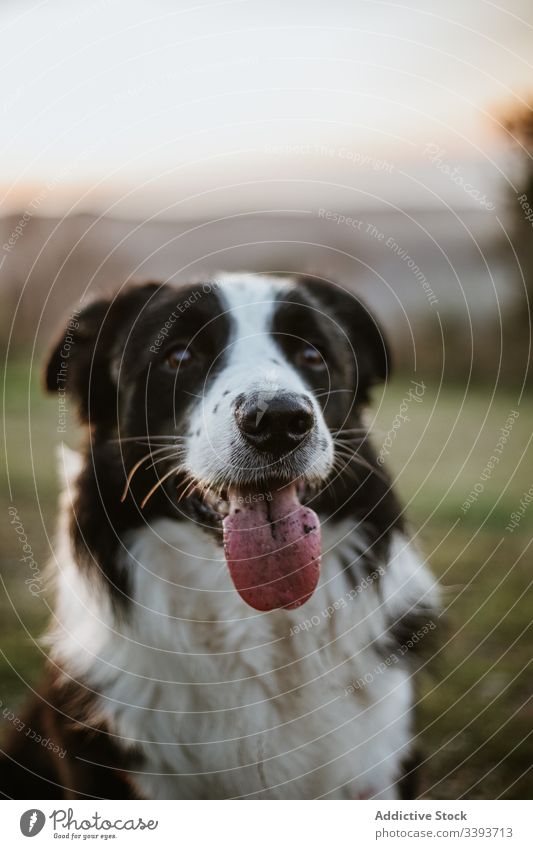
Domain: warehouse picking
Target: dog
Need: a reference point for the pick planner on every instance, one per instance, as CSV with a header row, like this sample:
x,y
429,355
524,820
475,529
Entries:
x,y
235,583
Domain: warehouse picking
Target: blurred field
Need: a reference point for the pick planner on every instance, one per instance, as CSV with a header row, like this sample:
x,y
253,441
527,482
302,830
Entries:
x,y
475,708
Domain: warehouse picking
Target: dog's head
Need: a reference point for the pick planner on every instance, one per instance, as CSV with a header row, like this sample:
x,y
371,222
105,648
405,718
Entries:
x,y
229,401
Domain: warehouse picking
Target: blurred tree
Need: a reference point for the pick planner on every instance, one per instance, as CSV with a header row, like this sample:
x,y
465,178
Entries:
x,y
519,127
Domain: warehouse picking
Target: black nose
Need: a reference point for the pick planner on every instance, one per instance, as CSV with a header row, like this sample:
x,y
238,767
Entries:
x,y
275,422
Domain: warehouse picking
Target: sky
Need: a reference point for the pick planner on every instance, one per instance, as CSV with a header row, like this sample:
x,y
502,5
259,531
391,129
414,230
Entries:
x,y
165,107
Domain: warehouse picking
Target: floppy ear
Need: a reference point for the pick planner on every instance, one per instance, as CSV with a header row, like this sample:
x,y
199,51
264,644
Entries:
x,y
76,355
371,351
79,362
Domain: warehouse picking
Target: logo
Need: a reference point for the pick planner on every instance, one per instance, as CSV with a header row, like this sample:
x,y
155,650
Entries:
x,y
32,822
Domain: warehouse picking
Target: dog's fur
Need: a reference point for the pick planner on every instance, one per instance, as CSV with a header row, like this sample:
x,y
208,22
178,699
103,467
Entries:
x,y
162,682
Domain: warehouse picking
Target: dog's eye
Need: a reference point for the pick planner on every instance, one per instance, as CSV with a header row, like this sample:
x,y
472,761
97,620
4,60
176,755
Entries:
x,y
310,357
179,357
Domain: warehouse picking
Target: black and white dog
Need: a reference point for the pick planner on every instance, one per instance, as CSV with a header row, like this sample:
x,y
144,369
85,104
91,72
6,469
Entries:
x,y
233,576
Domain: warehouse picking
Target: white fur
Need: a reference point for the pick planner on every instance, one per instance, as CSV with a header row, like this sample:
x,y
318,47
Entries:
x,y
251,350
226,702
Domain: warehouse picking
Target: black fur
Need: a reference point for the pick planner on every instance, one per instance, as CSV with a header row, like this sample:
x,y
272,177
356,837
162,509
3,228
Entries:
x,y
88,765
354,346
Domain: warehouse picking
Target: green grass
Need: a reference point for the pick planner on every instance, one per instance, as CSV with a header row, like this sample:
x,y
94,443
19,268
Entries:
x,y
475,710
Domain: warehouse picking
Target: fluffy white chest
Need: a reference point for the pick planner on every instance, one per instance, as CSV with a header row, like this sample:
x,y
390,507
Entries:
x,y
223,701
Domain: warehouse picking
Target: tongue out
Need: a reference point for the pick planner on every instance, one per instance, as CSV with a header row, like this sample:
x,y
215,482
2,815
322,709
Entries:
x,y
272,549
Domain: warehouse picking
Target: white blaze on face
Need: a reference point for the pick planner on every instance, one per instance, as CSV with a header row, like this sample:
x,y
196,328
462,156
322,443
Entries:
x,y
252,363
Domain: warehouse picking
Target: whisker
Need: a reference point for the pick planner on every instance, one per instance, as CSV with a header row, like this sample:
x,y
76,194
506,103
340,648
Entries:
x,y
361,461
320,394
350,430
156,486
346,453
146,438
188,488
347,471
347,442
136,466
164,459
185,484
349,462
353,443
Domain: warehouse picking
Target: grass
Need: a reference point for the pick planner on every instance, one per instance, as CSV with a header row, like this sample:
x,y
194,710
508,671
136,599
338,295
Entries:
x,y
475,711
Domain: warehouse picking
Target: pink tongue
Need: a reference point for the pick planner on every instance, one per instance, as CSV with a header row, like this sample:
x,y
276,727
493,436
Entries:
x,y
272,548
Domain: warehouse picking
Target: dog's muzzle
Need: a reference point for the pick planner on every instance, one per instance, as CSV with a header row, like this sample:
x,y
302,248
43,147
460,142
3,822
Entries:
x,y
274,422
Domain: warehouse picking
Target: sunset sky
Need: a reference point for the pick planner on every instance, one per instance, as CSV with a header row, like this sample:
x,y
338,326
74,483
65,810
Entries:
x,y
147,104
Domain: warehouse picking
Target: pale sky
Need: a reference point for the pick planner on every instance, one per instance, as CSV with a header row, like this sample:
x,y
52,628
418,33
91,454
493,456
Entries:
x,y
171,98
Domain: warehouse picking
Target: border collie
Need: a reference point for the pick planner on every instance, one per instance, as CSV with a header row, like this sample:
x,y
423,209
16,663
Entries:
x,y
235,586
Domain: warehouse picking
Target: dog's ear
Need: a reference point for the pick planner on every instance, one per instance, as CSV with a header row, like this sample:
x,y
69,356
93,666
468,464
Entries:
x,y
371,351
79,362
76,355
